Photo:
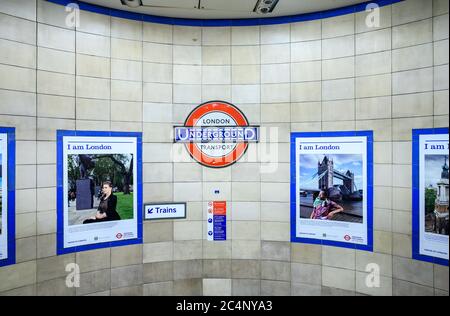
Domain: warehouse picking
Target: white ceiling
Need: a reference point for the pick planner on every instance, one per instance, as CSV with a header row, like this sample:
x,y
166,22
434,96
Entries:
x,y
226,9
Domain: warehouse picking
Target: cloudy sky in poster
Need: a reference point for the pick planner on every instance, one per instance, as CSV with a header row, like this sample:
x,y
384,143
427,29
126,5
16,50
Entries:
x,y
342,162
433,169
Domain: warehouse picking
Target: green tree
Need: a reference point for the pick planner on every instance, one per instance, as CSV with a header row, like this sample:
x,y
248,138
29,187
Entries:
x,y
119,169
115,168
430,200
104,171
73,169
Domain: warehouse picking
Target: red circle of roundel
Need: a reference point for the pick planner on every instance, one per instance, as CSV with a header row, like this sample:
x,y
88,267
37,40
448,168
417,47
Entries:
x,y
236,115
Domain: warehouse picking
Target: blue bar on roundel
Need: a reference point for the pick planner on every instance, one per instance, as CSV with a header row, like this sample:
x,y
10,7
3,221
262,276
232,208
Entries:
x,y
229,134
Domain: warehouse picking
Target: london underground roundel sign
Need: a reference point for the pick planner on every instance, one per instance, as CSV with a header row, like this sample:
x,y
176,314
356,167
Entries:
x,y
216,134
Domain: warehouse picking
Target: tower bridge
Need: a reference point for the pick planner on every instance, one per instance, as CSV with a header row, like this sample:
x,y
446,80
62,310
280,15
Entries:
x,y
327,173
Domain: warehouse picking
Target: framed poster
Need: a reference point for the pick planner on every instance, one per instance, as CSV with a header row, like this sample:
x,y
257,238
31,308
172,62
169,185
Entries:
x,y
332,189
99,190
430,195
7,196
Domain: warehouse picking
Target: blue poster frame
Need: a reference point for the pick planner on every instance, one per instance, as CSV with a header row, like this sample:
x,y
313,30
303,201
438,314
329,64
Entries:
x,y
11,207
349,9
416,133
61,250
370,205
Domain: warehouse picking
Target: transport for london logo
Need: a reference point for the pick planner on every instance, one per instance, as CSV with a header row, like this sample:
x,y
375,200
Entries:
x,y
216,134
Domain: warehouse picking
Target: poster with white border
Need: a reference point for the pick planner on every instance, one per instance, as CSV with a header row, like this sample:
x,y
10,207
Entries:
x,y
7,196
99,190
431,195
332,189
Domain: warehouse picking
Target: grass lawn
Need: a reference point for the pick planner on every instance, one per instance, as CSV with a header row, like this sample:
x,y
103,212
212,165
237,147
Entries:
x,y
124,205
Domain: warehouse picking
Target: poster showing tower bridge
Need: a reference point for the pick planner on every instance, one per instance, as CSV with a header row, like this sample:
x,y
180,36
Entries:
x,y
331,188
339,177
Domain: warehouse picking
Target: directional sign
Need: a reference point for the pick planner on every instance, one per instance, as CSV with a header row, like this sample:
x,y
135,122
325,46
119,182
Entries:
x,y
164,211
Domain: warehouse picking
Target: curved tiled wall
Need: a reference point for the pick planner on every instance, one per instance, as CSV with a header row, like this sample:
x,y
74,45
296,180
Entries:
x,y
123,75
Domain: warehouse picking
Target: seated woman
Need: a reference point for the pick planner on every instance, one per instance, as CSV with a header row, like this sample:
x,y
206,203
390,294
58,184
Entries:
x,y
324,208
107,208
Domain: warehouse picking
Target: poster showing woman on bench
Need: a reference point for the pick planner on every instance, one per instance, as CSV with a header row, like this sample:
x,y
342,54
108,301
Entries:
x,y
100,196
332,197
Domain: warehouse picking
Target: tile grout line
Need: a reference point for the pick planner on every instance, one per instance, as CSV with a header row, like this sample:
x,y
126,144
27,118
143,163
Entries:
x,y
434,117
36,113
110,127
355,122
173,162
392,153
260,29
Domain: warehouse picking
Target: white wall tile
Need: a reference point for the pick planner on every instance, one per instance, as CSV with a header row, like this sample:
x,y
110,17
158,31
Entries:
x,y
17,29
21,8
55,37
17,54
